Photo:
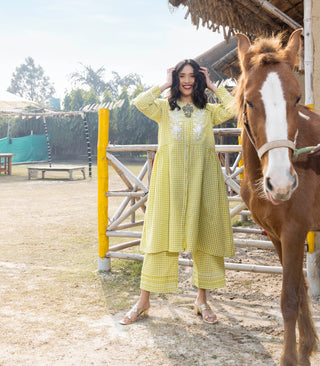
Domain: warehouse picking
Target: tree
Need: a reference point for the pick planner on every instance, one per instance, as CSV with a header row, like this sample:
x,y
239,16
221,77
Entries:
x,y
144,130
29,81
120,118
67,102
117,83
90,78
77,101
90,97
78,98
128,125
107,96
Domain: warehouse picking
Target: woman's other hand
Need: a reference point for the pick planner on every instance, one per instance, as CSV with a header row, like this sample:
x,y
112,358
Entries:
x,y
168,83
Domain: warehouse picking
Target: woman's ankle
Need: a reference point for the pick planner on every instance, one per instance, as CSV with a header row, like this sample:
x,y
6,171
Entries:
x,y
144,300
201,297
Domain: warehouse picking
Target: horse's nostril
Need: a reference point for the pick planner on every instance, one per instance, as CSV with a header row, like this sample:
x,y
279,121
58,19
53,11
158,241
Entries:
x,y
268,184
295,182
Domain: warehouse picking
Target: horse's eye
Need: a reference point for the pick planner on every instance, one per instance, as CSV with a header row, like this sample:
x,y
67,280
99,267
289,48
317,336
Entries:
x,y
249,104
298,100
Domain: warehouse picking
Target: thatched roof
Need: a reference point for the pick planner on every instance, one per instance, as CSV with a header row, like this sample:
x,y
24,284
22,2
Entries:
x,y
253,17
221,60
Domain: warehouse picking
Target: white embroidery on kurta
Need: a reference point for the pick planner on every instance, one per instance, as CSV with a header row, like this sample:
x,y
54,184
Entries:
x,y
199,122
176,124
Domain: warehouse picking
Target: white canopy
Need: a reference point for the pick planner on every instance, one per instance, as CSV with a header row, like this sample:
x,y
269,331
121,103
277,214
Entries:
x,y
12,103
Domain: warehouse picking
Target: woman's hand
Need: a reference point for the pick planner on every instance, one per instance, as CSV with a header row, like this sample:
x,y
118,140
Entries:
x,y
168,83
210,85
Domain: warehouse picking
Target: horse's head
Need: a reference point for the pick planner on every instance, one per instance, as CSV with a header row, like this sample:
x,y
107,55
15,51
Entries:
x,y
267,95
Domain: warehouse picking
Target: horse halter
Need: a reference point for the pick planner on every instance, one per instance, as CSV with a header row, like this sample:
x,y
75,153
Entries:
x,y
268,145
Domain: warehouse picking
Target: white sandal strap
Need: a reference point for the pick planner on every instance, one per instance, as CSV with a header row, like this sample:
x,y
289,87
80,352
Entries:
x,y
204,307
134,309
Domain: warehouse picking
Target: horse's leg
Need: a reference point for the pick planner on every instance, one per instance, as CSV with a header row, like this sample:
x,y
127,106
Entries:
x,y
307,333
292,261
276,243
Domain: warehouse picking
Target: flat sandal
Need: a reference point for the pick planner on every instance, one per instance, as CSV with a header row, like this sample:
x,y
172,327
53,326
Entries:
x,y
128,317
199,309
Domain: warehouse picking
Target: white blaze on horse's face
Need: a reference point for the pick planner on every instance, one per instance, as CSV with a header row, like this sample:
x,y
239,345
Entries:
x,y
280,180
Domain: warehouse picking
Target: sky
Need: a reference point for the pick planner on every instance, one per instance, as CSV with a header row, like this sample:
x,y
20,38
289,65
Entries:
x,y
127,36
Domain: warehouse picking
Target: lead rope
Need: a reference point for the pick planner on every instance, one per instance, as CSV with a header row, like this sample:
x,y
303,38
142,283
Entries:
x,y
310,149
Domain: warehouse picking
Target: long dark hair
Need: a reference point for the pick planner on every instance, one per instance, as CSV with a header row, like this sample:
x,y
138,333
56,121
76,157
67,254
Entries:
x,y
199,96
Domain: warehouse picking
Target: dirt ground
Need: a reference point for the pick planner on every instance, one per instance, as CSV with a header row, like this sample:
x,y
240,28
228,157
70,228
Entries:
x,y
57,309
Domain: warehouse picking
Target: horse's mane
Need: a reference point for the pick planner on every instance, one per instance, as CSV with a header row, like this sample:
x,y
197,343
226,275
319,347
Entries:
x,y
264,51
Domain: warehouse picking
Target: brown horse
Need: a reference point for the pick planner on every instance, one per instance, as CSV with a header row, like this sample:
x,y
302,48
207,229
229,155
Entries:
x,y
283,195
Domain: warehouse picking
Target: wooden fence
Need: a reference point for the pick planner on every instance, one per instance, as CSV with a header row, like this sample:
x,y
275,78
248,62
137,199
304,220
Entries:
x,y
123,222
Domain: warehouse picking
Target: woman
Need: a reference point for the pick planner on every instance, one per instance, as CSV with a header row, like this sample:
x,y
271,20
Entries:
x,y
187,205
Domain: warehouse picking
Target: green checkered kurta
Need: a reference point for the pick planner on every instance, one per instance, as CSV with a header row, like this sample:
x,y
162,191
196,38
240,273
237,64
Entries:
x,y
187,205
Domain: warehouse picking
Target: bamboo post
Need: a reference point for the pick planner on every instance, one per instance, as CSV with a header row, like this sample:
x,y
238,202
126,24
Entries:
x,y
104,264
47,138
133,215
271,9
313,239
308,53
86,130
312,46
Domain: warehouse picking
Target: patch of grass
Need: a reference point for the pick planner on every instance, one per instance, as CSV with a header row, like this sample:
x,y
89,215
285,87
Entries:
x,y
237,223
129,268
121,286
248,283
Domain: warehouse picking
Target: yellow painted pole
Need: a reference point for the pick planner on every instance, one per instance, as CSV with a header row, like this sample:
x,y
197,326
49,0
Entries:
x,y
102,167
311,241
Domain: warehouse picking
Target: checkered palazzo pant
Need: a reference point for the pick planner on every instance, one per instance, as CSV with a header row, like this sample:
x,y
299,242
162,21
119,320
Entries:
x,y
160,271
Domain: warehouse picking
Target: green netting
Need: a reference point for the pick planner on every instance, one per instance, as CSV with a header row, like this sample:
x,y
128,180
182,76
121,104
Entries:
x,y
25,149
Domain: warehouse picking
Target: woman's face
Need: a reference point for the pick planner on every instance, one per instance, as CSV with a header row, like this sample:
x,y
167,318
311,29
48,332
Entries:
x,y
186,81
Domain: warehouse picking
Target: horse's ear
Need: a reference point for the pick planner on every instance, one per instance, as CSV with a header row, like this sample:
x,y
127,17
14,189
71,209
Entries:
x,y
293,46
243,46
